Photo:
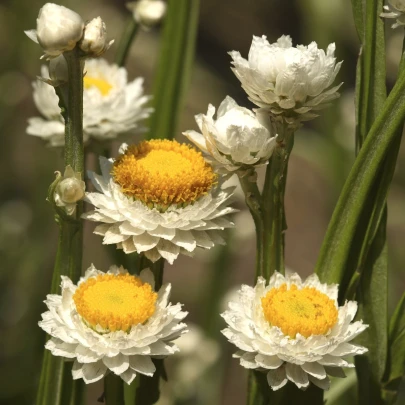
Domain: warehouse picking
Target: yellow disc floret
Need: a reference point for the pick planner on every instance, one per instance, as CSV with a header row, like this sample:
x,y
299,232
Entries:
x,y
161,173
306,311
101,84
115,302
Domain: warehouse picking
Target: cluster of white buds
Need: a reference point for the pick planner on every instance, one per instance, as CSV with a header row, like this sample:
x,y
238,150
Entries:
x,y
60,29
69,190
147,13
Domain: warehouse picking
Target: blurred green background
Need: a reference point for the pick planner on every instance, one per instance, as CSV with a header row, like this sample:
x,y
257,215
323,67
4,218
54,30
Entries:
x,y
321,159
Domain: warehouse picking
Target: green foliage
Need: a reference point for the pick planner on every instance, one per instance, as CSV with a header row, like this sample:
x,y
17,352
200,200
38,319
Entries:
x,y
174,67
396,352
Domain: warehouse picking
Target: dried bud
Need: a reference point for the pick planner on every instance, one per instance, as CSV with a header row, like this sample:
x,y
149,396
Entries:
x,y
58,29
94,41
69,190
147,12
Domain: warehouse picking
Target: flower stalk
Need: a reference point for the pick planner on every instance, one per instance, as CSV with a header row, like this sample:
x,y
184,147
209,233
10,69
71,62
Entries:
x,y
267,210
69,254
127,38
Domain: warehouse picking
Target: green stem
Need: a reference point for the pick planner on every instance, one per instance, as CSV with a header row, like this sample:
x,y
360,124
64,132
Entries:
x,y
69,254
74,150
113,390
253,201
127,38
274,222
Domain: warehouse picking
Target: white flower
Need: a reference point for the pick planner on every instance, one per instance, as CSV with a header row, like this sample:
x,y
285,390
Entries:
x,y
94,41
288,81
395,9
111,105
147,12
69,190
293,330
58,29
112,322
160,198
236,139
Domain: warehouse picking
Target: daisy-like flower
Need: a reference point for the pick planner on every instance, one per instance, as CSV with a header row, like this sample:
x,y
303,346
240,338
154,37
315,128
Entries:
x,y
237,139
160,198
112,322
293,330
395,9
290,82
147,13
111,105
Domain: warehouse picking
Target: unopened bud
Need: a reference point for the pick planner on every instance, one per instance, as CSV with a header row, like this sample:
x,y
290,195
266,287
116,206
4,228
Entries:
x,y
147,12
58,29
94,41
69,190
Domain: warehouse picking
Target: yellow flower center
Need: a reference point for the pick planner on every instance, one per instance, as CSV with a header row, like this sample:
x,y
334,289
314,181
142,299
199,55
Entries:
x,y
162,172
101,84
307,311
115,302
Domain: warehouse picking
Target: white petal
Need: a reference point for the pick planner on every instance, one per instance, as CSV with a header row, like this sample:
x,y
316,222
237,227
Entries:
x,y
314,369
60,348
86,355
93,372
168,250
248,361
268,362
142,364
322,384
297,375
277,378
128,376
117,364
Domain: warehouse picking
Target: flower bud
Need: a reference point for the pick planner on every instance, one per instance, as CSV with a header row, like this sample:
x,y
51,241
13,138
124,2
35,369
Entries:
x,y
58,29
147,12
69,190
94,41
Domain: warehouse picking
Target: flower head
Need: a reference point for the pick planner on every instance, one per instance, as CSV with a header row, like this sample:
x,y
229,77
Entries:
x,y
293,330
69,190
94,41
237,139
112,322
161,198
395,9
58,29
289,82
111,105
148,13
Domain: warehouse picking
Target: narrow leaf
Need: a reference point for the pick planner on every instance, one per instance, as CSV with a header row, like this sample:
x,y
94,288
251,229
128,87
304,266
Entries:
x,y
358,15
334,253
174,66
396,361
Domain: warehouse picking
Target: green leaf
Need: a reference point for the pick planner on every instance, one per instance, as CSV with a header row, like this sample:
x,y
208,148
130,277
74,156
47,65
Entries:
x,y
174,66
372,296
396,361
332,260
358,15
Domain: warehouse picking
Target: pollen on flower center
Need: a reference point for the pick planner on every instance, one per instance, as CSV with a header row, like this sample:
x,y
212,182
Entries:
x,y
306,311
115,302
101,84
161,173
